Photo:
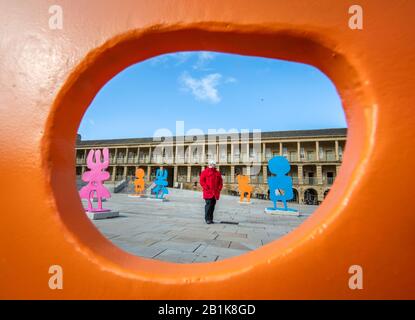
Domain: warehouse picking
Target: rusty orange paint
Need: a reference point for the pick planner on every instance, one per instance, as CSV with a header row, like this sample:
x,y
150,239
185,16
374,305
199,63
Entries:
x,y
49,77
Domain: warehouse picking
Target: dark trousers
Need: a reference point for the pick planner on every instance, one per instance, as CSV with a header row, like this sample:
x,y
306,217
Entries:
x,y
209,208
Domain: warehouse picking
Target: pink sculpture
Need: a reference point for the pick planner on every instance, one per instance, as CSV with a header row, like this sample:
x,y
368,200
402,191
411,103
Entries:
x,y
95,178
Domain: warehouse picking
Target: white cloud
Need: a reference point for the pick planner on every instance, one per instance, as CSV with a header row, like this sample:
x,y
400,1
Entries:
x,y
182,57
199,59
203,59
177,58
205,88
230,80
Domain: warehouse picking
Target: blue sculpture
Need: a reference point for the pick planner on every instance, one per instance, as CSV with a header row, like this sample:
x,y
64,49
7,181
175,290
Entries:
x,y
161,183
280,185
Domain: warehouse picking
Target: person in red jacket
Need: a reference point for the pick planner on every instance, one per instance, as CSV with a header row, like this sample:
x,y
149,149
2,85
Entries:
x,y
211,182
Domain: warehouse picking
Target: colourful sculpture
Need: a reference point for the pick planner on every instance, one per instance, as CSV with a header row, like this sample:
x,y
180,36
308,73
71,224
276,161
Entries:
x,y
244,188
161,183
95,178
280,185
139,184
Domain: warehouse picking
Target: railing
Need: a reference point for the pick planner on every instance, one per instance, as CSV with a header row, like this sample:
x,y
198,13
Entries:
x,y
328,180
328,158
310,180
226,179
181,178
224,159
257,179
144,159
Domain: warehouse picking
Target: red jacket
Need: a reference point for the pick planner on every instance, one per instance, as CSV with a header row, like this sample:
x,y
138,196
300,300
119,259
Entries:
x,y
211,182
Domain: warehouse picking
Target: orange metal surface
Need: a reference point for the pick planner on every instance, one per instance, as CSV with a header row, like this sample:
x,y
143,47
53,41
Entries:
x,y
49,77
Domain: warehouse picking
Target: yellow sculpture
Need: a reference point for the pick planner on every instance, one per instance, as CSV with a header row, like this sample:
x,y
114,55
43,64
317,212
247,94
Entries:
x,y
244,187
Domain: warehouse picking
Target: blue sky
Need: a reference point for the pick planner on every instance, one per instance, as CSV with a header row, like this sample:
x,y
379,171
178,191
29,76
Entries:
x,y
210,90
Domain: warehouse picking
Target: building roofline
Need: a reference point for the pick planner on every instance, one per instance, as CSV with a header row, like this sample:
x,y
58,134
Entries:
x,y
315,133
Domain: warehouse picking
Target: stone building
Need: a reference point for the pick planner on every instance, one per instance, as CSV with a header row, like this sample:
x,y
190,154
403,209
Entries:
x,y
315,157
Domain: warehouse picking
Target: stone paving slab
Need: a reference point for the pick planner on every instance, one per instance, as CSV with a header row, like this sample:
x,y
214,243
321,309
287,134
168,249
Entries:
x,y
176,231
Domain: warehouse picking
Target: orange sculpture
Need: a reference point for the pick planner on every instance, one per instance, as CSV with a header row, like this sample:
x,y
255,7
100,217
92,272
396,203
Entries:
x,y
244,188
139,184
48,78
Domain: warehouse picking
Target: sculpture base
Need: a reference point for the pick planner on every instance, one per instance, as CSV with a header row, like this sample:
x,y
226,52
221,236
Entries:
x,y
281,212
245,202
102,214
157,199
137,196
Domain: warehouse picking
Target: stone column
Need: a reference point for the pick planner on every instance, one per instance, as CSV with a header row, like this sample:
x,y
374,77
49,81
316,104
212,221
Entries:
x,y
176,154
138,155
319,175
336,146
189,172
337,170
232,174
114,171
217,153
125,172
265,173
189,156
203,159
126,156
149,154
280,148
115,155
148,173
298,151
175,169
264,147
232,159
248,171
300,174
300,196
317,151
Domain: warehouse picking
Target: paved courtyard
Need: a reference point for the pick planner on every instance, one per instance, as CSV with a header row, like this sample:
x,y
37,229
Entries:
x,y
175,230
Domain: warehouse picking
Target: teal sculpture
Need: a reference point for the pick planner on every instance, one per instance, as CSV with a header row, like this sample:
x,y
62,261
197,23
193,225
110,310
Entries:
x,y
280,185
161,183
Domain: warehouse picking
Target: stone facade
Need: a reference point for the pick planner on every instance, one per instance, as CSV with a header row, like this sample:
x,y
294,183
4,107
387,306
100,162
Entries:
x,y
315,157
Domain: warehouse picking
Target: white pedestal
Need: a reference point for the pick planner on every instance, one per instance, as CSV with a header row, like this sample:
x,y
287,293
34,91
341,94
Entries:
x,y
102,215
139,196
157,199
278,212
245,202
